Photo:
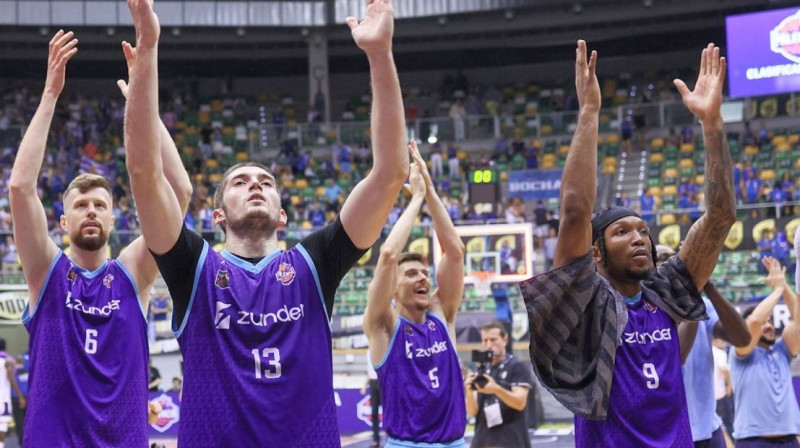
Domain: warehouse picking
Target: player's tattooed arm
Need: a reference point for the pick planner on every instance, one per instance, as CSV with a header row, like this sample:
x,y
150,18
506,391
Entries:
x,y
578,182
706,237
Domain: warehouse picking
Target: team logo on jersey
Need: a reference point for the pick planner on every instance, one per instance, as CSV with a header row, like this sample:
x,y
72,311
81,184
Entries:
x,y
222,320
364,411
71,275
409,331
222,281
649,306
107,280
431,325
169,415
409,352
784,39
285,274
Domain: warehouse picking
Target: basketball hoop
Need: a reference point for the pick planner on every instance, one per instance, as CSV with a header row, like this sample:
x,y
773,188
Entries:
x,y
482,280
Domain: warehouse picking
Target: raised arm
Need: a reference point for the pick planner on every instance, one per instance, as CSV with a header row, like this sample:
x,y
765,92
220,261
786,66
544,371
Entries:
x,y
36,249
379,318
365,211
762,312
160,215
705,238
578,182
136,256
791,332
731,326
450,270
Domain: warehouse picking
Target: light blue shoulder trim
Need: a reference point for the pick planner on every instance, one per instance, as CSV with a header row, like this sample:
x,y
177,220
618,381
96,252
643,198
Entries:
x,y
311,265
27,314
397,443
90,274
197,271
446,328
135,288
246,265
391,344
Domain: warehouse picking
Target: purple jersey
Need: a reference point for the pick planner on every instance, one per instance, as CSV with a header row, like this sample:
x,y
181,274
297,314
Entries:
x,y
88,370
647,403
421,384
256,346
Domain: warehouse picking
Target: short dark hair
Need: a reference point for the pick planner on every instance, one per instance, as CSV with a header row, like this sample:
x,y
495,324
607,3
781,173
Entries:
x,y
2,344
405,257
495,325
86,181
219,192
746,313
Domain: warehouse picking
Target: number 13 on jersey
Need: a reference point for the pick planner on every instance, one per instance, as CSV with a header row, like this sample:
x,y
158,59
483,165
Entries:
x,y
267,362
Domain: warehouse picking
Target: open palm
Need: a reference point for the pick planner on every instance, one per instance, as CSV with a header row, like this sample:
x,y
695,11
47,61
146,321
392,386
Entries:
x,y
374,33
705,100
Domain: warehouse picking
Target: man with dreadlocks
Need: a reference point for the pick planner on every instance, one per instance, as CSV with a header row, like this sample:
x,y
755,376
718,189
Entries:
x,y
603,322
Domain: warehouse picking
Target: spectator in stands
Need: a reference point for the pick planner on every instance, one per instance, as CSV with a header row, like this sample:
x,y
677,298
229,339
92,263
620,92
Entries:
x,y
153,377
626,130
540,220
765,246
532,156
647,204
177,385
458,114
622,200
768,414
10,258
412,113
453,164
161,310
738,182
781,248
752,187
436,161
550,247
333,193
749,171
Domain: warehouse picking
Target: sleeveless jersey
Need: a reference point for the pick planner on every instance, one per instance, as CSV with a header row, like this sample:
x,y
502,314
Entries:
x,y
421,384
647,405
88,351
256,344
5,389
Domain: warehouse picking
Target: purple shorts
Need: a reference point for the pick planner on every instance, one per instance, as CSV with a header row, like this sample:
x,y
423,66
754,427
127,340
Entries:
x,y
768,442
717,440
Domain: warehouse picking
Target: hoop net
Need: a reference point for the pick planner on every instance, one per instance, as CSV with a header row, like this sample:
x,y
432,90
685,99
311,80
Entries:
x,y
483,282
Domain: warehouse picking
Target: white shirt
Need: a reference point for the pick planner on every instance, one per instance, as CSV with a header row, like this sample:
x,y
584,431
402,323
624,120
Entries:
x,y
720,365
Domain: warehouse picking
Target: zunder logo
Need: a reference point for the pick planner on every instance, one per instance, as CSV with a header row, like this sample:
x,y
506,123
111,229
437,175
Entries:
x,y
784,39
222,320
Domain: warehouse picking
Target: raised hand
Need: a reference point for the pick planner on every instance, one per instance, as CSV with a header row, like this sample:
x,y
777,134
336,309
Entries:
x,y
423,167
416,181
130,58
374,33
145,22
776,276
62,48
705,100
586,85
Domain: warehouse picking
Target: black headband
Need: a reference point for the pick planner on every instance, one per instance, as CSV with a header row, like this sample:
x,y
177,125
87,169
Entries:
x,y
605,218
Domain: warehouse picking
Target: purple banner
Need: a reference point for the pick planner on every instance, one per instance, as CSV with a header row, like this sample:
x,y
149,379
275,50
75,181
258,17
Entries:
x,y
763,52
354,413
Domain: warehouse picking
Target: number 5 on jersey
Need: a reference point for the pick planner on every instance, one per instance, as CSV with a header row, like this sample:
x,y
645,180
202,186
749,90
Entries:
x,y
273,358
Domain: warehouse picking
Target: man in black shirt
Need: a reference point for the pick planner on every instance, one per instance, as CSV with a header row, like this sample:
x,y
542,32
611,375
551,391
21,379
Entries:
x,y
252,321
501,403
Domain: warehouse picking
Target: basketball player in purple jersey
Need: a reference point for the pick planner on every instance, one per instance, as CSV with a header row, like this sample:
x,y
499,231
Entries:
x,y
88,342
413,346
253,321
8,381
603,322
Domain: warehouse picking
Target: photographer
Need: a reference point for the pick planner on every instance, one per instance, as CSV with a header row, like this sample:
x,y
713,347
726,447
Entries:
x,y
502,386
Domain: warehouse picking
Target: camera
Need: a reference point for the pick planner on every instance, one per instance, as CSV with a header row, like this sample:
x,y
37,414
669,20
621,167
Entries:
x,y
484,360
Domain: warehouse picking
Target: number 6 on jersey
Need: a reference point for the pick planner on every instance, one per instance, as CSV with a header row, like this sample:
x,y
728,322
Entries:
x,y
90,345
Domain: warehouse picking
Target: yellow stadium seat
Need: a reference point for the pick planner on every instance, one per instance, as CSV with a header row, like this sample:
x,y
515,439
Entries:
x,y
287,183
462,155
608,169
670,173
797,163
656,157
549,158
783,147
751,150
667,218
294,199
215,177
671,189
188,150
241,157
778,140
767,175
547,129
320,191
794,139
300,184
610,161
612,138
700,179
306,225
212,163
687,147
563,149
657,143
686,163
548,165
